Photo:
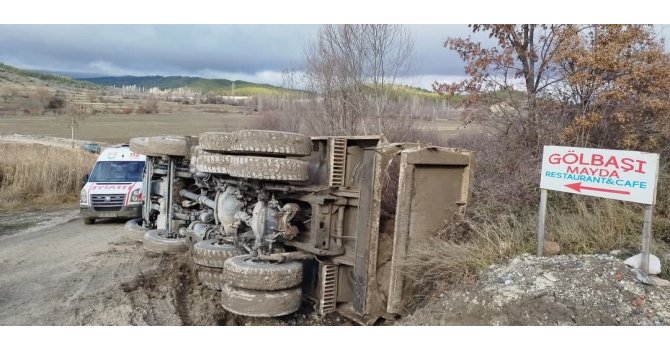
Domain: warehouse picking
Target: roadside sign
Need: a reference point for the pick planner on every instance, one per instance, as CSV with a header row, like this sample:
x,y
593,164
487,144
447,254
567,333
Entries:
x,y
624,175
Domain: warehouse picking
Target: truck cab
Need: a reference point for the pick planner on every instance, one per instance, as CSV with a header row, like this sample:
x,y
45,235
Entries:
x,y
114,186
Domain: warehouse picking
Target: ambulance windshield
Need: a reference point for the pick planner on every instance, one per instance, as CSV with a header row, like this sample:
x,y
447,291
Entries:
x,y
117,172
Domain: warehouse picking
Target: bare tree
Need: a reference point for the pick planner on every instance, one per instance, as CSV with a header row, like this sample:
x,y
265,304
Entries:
x,y
75,115
387,58
354,67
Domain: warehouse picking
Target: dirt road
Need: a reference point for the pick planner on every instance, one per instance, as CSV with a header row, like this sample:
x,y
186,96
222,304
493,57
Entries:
x,y
63,272
52,275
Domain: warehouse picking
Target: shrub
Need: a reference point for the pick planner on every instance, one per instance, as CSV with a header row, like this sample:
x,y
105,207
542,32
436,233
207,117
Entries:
x,y
148,106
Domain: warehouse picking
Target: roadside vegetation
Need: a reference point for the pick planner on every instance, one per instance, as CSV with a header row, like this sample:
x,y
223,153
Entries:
x,y
34,175
600,86
501,222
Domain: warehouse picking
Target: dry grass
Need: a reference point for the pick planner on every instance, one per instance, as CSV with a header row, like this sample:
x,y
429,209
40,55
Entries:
x,y
33,175
464,248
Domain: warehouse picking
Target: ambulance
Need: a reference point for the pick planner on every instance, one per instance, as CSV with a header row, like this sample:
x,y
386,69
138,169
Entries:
x,y
113,188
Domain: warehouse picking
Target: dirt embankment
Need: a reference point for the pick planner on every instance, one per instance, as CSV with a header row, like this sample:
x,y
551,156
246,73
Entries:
x,y
562,290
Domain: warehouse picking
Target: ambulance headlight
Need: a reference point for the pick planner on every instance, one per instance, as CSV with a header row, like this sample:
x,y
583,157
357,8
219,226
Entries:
x,y
83,198
136,195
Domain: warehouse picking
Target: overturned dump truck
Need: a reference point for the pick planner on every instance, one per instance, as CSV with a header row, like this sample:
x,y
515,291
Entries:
x,y
275,220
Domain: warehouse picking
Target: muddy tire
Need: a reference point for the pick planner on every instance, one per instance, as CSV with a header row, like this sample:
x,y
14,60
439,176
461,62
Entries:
x,y
266,168
191,144
214,163
157,241
256,303
214,141
141,145
242,272
135,230
170,145
211,277
210,253
195,151
89,221
262,142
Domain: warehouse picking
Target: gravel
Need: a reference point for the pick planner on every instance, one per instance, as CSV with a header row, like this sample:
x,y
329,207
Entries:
x,y
561,290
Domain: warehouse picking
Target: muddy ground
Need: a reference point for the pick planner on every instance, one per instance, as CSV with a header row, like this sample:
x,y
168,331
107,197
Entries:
x,y
62,272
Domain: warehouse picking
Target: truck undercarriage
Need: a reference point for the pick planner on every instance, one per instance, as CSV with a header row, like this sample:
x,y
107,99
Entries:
x,y
274,219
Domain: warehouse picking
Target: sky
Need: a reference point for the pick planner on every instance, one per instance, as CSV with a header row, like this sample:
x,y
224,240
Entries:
x,y
256,53
247,49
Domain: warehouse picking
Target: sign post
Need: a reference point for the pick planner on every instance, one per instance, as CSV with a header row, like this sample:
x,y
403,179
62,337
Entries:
x,y
540,223
646,238
623,175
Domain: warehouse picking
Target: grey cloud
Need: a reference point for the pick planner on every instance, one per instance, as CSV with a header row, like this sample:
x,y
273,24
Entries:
x,y
213,51
170,48
186,49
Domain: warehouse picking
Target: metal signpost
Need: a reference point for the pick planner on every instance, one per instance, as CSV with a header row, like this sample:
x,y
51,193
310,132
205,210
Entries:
x,y
624,175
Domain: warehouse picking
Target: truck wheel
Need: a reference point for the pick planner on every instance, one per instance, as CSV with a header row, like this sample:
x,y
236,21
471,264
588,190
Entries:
x,y
266,168
135,230
243,272
214,141
193,159
89,221
211,253
215,163
256,303
157,241
257,142
211,277
141,145
170,145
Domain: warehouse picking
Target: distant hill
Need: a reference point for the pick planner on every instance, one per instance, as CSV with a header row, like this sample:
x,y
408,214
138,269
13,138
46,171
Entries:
x,y
219,86
26,77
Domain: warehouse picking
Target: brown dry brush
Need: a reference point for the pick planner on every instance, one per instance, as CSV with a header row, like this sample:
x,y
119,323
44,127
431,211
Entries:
x,y
466,246
149,106
501,221
307,115
37,174
607,98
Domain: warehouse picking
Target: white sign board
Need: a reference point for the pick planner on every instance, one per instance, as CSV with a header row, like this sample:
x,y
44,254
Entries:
x,y
623,175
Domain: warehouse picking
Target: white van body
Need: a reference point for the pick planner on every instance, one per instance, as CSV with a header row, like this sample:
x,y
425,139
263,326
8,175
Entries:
x,y
114,186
